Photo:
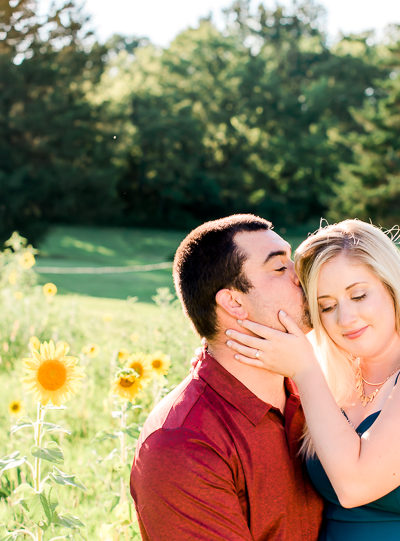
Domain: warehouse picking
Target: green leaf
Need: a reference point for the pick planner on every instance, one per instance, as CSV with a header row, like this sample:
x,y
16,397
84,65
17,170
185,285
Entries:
x,y
103,435
65,479
133,432
51,453
46,507
20,425
69,521
51,427
33,505
11,461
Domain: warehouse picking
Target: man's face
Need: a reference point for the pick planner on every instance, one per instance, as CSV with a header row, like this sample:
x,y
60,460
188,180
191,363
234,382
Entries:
x,y
270,270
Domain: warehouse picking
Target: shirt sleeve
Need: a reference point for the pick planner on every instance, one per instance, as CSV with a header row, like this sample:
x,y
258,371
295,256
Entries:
x,y
184,488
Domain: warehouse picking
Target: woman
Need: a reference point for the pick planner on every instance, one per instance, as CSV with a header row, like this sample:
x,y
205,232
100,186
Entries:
x,y
350,273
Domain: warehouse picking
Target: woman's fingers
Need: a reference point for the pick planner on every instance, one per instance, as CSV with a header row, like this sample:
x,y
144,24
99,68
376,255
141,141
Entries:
x,y
246,339
260,330
247,351
250,362
289,323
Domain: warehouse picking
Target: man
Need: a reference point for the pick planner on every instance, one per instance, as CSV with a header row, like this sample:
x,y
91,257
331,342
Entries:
x,y
217,458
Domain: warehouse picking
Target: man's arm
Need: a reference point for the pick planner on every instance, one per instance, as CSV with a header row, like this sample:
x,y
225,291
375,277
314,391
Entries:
x,y
184,489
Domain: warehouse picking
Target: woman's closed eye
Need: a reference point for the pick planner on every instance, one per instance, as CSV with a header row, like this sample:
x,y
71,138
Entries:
x,y
359,297
281,269
327,308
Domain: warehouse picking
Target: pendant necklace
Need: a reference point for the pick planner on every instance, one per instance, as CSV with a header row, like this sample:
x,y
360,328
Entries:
x,y
360,380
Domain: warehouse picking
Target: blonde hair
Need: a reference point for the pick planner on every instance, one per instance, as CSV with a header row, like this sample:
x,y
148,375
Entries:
x,y
368,245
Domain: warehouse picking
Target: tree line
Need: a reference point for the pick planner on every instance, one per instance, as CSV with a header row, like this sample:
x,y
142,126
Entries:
x,y
263,115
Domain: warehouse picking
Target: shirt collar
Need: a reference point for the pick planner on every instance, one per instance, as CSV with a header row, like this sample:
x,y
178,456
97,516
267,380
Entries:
x,y
237,394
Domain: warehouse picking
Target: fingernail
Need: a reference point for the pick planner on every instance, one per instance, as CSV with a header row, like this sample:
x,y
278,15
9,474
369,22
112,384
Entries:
x,y
240,321
236,357
229,343
282,313
228,332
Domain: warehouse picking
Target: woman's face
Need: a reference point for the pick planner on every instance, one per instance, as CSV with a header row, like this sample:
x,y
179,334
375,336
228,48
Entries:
x,y
355,308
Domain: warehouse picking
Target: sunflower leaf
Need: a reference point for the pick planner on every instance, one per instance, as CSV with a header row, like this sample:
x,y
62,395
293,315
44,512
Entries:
x,y
46,507
63,478
133,432
51,427
32,503
11,461
20,425
69,521
51,453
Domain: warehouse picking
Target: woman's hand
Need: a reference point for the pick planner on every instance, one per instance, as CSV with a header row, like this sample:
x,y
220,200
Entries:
x,y
287,353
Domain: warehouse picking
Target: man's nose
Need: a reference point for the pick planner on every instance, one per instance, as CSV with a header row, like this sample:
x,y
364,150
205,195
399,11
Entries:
x,y
293,274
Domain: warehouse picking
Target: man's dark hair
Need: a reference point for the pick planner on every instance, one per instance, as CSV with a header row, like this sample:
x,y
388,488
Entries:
x,y
208,260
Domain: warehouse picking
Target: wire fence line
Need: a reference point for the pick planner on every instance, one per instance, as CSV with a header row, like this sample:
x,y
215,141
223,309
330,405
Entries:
x,y
103,270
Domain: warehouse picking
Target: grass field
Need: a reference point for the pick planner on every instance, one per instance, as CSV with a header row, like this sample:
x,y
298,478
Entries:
x,y
107,247
90,312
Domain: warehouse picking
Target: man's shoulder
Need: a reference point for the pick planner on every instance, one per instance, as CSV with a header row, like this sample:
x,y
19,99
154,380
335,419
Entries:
x,y
181,408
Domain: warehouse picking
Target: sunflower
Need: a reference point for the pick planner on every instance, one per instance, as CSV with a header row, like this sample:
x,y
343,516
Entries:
x,y
34,343
91,350
126,385
139,362
15,407
49,289
52,375
27,260
18,295
123,355
134,337
12,278
160,363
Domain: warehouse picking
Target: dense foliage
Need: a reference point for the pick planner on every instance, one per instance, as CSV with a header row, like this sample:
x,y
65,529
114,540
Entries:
x,y
264,115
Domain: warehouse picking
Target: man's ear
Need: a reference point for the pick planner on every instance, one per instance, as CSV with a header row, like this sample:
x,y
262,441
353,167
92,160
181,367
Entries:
x,y
230,301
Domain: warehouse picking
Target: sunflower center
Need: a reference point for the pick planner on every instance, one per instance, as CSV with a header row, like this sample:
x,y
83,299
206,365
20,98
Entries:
x,y
156,363
52,375
15,406
137,367
125,382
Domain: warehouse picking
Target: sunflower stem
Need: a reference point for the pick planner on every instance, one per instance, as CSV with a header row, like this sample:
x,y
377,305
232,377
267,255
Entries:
x,y
37,467
123,449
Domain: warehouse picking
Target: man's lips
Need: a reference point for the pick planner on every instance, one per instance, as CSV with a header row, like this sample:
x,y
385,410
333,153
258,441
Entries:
x,y
351,335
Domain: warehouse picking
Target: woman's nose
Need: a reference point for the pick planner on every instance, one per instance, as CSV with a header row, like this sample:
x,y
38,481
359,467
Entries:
x,y
345,315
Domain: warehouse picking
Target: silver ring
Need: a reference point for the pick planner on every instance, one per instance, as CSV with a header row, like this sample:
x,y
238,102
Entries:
x,y
258,353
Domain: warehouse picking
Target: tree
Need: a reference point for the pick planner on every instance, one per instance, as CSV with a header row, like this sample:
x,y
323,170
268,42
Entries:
x,y
56,150
369,183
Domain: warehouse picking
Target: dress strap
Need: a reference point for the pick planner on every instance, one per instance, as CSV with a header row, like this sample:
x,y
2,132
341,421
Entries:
x,y
397,377
344,413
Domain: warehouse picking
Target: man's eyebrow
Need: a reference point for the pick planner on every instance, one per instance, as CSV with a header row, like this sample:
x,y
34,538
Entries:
x,y
275,254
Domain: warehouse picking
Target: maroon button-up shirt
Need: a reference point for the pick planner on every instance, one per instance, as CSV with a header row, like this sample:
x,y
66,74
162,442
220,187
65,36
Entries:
x,y
214,462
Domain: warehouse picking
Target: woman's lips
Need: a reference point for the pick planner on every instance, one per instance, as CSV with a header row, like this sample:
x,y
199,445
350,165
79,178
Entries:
x,y
355,334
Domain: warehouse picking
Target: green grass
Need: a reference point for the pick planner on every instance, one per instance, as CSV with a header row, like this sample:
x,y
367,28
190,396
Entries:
x,y
107,247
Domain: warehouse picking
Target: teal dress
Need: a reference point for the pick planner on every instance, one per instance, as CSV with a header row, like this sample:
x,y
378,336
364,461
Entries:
x,y
374,521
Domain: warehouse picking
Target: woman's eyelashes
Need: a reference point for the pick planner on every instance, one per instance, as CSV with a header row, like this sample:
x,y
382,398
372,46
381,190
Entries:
x,y
359,297
327,308
330,307
281,269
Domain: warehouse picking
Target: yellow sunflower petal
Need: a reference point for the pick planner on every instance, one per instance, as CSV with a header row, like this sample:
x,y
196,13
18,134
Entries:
x,y
52,376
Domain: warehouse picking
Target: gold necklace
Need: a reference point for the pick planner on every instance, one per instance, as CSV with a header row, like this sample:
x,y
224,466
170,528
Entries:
x,y
365,399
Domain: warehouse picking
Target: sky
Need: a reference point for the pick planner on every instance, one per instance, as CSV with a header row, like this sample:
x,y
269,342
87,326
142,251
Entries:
x,y
162,20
